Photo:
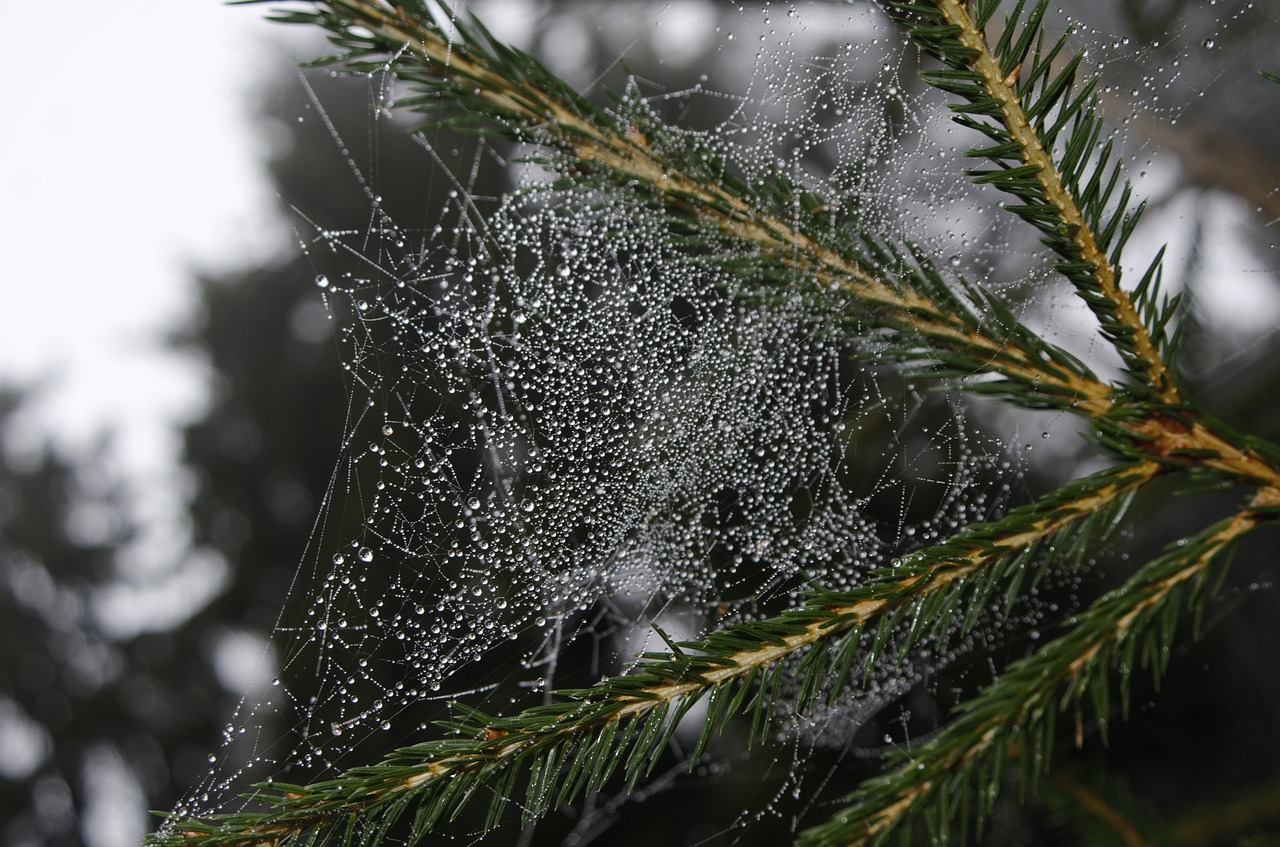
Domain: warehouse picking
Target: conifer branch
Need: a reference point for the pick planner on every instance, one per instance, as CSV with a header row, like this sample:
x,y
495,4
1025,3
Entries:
x,y
1027,104
571,746
950,781
954,334
476,81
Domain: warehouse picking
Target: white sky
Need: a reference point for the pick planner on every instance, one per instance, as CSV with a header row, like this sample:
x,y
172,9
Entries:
x,y
128,161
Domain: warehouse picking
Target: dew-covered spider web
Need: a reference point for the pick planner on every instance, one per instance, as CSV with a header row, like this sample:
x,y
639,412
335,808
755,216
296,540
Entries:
x,y
565,425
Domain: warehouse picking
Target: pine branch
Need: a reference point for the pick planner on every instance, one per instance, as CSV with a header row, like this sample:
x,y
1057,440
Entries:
x,y
470,79
1018,100
1069,200
951,781
476,81
622,724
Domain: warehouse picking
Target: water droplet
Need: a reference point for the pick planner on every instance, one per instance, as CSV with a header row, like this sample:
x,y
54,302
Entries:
x,y
387,430
526,505
338,558
365,554
322,281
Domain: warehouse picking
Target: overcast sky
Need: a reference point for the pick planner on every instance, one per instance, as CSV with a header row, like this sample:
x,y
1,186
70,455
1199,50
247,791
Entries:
x,y
129,160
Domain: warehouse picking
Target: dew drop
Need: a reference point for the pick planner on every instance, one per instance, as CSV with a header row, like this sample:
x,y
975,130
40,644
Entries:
x,y
365,554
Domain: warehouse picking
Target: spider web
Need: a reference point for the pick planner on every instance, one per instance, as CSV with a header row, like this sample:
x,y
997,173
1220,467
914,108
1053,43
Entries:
x,y
564,426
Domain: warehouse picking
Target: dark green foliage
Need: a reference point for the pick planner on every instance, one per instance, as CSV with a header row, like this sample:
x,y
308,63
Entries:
x,y
1015,719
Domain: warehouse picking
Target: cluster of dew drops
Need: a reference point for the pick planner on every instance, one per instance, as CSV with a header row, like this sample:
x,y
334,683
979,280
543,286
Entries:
x,y
573,414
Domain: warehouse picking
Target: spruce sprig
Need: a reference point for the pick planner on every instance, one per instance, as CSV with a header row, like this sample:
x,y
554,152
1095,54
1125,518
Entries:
x,y
947,785
571,746
467,78
1020,93
1018,88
